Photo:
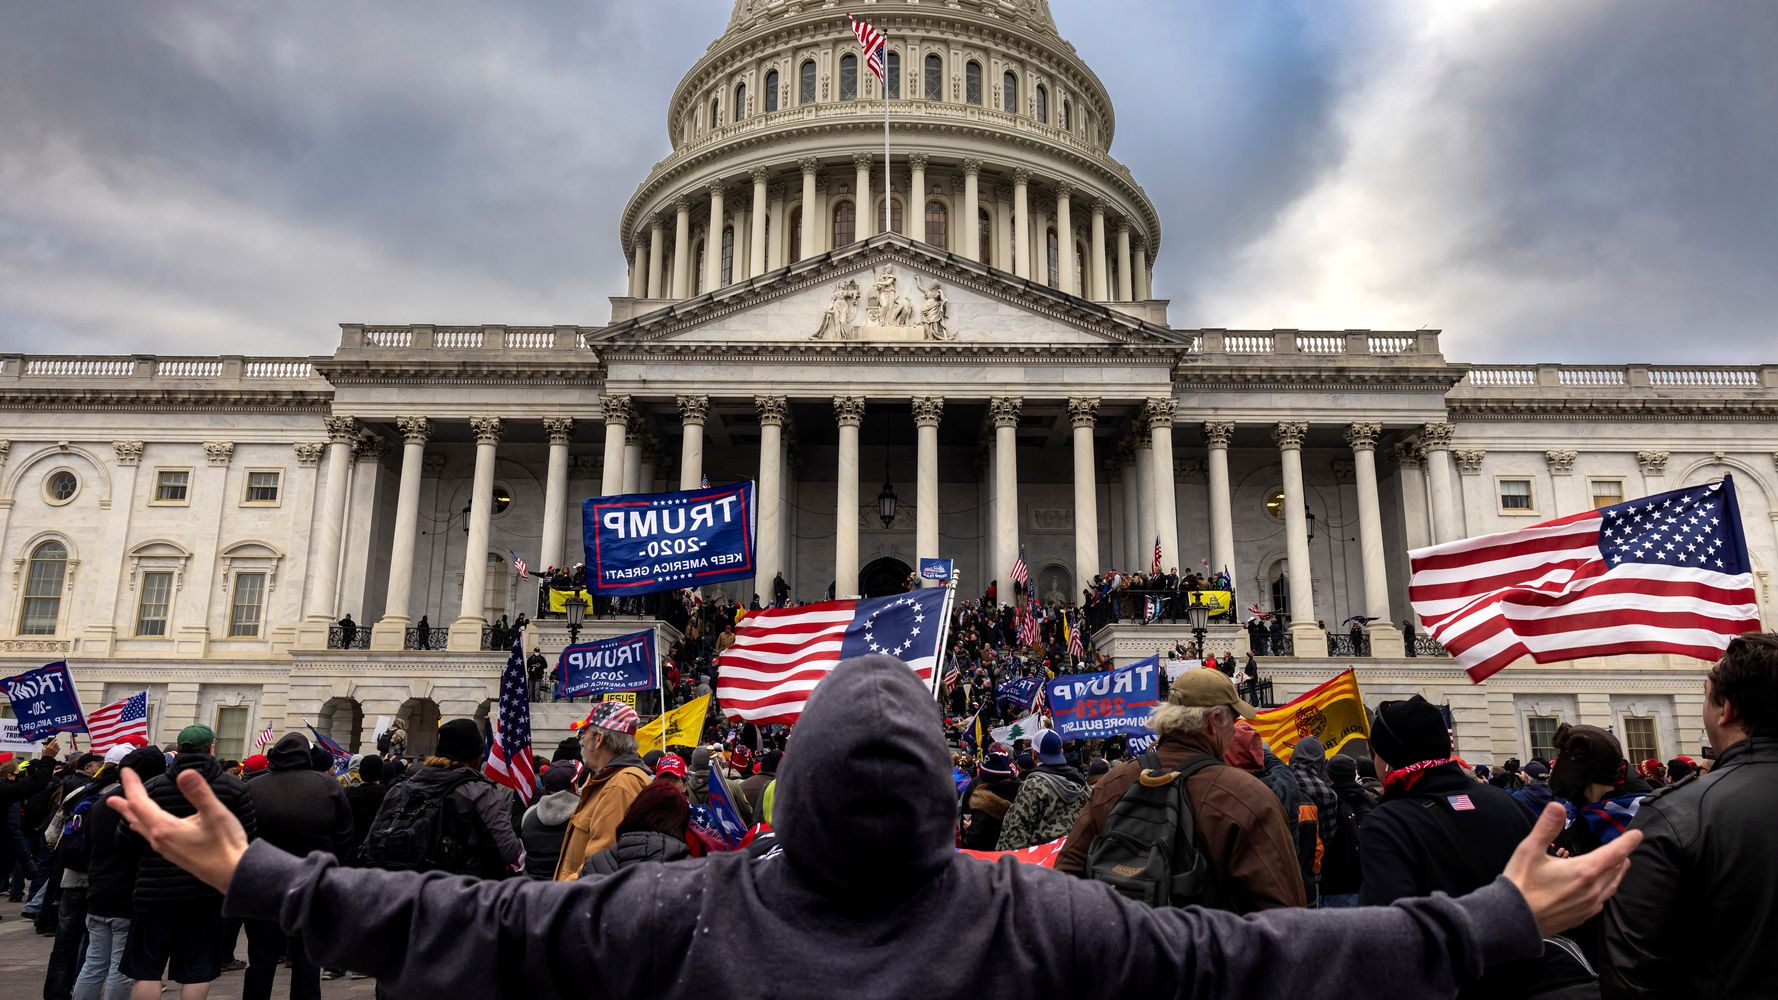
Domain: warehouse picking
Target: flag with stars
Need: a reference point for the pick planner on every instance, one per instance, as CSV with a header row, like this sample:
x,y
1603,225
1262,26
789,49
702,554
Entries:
x,y
1663,574
780,654
509,754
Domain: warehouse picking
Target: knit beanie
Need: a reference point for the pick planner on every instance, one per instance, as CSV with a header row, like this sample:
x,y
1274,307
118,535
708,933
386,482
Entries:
x,y
568,749
1342,770
371,768
460,740
147,762
558,778
1585,755
1408,732
995,765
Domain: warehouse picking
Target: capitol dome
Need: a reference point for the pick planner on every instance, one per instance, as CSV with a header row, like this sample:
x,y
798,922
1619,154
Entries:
x,y
1000,143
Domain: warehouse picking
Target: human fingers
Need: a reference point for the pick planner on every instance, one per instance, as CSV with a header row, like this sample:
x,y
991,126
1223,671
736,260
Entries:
x,y
197,791
134,803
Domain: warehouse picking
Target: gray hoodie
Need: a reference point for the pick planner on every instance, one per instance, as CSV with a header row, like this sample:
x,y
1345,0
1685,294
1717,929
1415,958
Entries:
x,y
867,875
541,831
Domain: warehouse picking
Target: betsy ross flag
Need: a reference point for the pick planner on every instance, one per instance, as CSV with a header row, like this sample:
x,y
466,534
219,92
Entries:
x,y
870,42
264,737
780,654
509,755
1020,574
124,721
1155,565
518,563
1664,574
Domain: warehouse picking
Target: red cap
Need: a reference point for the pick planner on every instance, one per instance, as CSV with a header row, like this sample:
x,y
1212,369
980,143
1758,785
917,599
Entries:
x,y
671,764
256,763
5,758
134,739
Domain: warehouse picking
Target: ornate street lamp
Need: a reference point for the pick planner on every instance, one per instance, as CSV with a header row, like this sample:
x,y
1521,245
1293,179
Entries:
x,y
886,504
575,605
1199,615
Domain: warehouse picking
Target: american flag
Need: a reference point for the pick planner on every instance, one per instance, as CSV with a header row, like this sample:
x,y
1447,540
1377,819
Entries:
x,y
870,40
1155,565
509,757
116,722
1020,574
780,654
264,737
1076,648
1028,629
518,563
952,675
1664,574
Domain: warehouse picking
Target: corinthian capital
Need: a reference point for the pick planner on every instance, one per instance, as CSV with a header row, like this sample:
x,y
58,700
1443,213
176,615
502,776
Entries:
x,y
1005,410
617,410
219,452
1159,412
1289,434
1217,433
693,409
1469,461
861,161
414,430
1437,436
1652,463
773,410
559,429
341,430
849,410
1083,411
1362,436
128,452
308,453
928,410
971,167
917,161
1561,462
487,430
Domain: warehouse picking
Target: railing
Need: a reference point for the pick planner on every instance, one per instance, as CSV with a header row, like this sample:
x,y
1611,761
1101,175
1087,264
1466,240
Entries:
x,y
1244,343
1258,693
1590,376
1616,377
1320,344
450,339
1425,645
1726,377
277,369
530,340
188,369
1498,377
81,367
1282,645
389,336
337,638
426,638
1346,645
1386,344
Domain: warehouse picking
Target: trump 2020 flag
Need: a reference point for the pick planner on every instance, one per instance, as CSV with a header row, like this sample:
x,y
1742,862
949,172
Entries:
x,y
1663,574
724,818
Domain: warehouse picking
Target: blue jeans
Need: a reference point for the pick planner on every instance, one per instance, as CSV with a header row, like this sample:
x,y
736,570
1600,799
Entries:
x,y
99,978
1330,901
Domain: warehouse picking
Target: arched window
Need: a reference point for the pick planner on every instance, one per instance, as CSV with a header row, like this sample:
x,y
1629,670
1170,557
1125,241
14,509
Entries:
x,y
796,235
1055,259
935,225
1009,93
772,91
1067,117
972,82
805,93
740,102
698,270
895,225
44,576
894,71
1043,104
933,87
728,255
715,112
984,230
845,224
848,77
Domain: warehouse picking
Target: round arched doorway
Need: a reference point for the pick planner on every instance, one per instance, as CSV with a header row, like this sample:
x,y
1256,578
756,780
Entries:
x,y
420,717
883,577
342,719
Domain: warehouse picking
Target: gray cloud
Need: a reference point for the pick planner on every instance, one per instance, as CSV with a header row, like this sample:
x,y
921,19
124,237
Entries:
x,y
1555,182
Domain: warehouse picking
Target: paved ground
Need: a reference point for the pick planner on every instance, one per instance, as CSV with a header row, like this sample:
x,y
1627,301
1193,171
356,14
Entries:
x,y
23,954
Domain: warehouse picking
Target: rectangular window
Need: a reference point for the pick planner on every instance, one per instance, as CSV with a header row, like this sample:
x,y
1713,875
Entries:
x,y
262,487
231,731
1542,732
151,612
170,485
1639,739
1515,496
244,610
1606,492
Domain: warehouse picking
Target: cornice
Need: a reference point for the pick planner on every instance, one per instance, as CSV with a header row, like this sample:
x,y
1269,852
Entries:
x,y
863,352
1625,407
166,400
583,369
1212,373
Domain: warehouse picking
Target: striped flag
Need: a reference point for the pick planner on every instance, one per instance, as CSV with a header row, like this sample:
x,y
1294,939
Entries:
x,y
780,654
264,737
870,42
509,755
1028,629
1076,648
1155,565
518,563
952,675
124,721
1021,574
1663,574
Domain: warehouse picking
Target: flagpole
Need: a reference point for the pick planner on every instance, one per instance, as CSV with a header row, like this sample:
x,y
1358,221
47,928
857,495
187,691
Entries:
x,y
944,638
888,192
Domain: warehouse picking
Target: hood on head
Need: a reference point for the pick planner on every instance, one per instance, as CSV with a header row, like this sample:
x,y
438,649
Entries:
x,y
870,779
290,753
1309,752
1245,750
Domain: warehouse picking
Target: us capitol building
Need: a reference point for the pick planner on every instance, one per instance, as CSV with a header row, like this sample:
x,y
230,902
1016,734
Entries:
x,y
997,361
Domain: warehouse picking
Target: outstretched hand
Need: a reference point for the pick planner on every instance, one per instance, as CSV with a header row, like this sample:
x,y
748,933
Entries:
x,y
209,844
1562,892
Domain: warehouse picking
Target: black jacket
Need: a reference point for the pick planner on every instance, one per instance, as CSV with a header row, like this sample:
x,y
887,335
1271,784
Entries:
x,y
365,800
31,778
634,848
542,829
158,881
111,870
1405,851
478,808
1695,915
299,809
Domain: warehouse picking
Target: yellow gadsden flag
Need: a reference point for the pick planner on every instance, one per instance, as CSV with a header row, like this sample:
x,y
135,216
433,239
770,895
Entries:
x,y
680,727
1332,713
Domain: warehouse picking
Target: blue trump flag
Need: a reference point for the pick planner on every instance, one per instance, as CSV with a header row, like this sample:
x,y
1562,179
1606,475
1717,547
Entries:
x,y
44,702
725,819
935,569
1108,703
620,663
640,543
1020,692
342,758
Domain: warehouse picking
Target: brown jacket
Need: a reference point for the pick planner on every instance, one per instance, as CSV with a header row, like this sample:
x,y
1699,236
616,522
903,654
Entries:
x,y
603,801
1237,821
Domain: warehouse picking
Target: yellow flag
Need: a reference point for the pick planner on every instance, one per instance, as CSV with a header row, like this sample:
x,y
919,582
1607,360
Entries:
x,y
682,727
558,600
1332,713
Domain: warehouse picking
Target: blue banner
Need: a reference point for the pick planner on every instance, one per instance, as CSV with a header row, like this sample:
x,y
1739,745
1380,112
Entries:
x,y
639,543
620,663
1020,691
44,702
1110,703
935,569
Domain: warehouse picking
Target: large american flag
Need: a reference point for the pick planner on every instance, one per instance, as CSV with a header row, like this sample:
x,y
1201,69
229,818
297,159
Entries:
x,y
1028,634
870,40
1664,574
1076,648
1021,574
117,722
509,756
780,654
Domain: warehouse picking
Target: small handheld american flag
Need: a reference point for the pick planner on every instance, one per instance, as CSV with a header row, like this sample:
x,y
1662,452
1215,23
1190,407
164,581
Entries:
x,y
1155,567
1020,574
264,737
518,563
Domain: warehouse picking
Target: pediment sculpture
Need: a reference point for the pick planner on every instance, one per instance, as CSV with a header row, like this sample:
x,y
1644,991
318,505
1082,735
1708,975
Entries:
x,y
883,313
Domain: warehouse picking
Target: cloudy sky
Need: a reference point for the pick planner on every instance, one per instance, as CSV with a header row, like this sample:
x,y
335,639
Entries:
x,y
1571,181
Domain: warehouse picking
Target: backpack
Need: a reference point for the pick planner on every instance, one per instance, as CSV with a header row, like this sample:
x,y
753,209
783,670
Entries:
x,y
1139,853
383,741
74,847
417,830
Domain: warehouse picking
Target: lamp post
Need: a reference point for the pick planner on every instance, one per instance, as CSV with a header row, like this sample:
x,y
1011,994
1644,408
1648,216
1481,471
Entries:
x,y
887,501
1199,616
575,605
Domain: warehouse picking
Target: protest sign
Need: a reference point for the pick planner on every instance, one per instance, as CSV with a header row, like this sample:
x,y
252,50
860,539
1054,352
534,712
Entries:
x,y
1109,703
1176,667
619,663
640,543
11,742
44,702
935,569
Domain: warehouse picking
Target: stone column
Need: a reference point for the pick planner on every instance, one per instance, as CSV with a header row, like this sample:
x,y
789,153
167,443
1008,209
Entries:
x,y
1097,251
849,412
1147,528
1305,635
1005,413
808,165
618,413
1040,246
713,239
1435,440
1143,292
682,255
321,603
1083,411
823,230
560,431
391,630
651,458
1222,526
1159,414
638,269
1126,285
1002,226
657,249
864,207
756,257
1132,501
1067,280
970,229
466,631
769,499
1021,223
633,459
927,412
1385,638
693,412
916,221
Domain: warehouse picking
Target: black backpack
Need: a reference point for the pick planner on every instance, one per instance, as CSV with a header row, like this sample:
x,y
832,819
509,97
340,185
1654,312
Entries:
x,y
417,829
1140,853
383,741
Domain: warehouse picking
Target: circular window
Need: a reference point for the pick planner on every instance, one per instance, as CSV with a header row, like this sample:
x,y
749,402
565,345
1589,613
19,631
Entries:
x,y
502,499
60,487
1275,505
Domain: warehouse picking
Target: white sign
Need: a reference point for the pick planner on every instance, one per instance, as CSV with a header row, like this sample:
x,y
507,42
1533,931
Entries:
x,y
383,723
1176,667
10,742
